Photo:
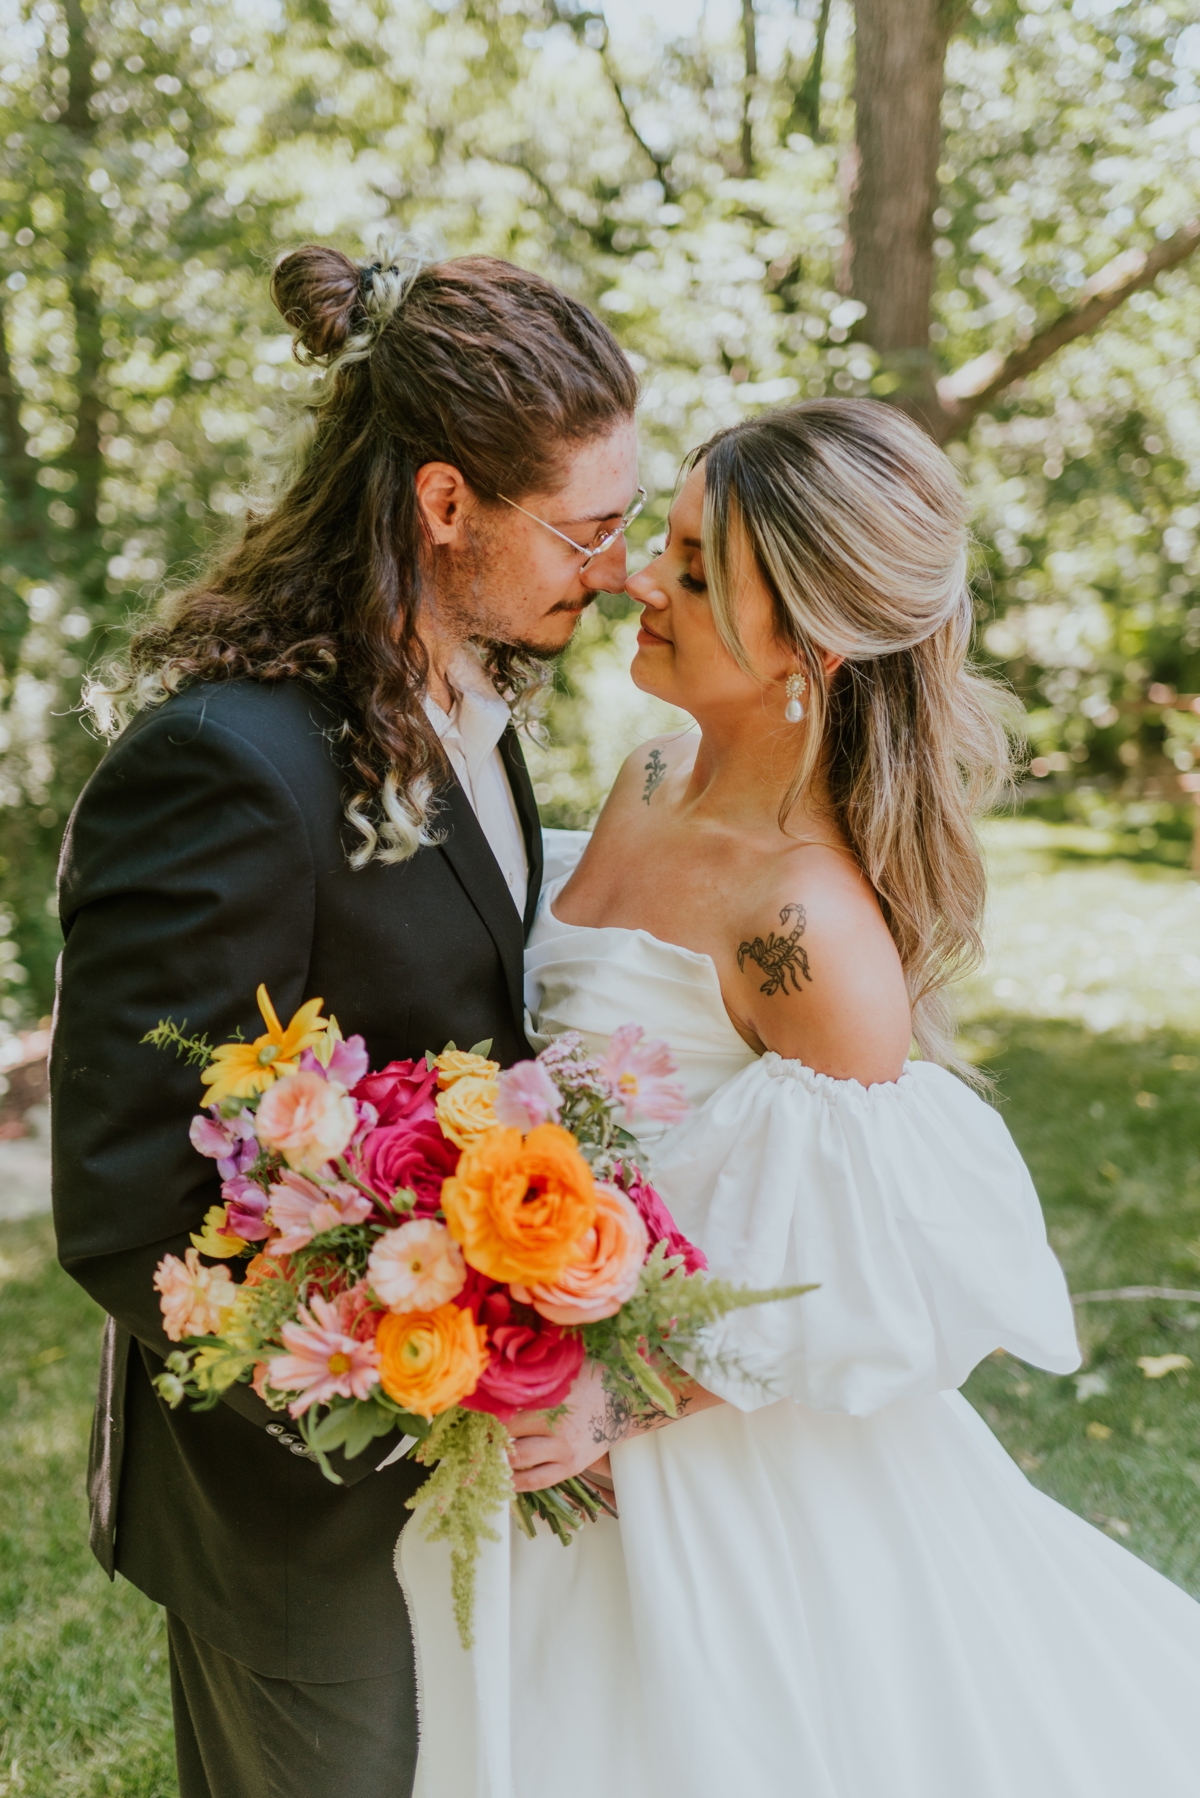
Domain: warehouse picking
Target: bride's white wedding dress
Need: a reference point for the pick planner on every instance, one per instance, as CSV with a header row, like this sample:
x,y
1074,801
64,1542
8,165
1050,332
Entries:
x,y
849,1590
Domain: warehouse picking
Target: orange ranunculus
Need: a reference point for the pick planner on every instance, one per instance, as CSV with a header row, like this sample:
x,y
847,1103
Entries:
x,y
604,1272
519,1205
429,1360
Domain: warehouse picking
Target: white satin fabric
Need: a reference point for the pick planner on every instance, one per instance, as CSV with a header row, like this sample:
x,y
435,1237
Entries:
x,y
840,1587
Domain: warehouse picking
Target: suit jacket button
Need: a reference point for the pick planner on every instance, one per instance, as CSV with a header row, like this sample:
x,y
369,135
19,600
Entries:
x,y
287,1440
299,1448
274,1429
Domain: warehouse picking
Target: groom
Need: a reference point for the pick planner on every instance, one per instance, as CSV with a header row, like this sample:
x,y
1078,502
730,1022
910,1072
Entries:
x,y
460,504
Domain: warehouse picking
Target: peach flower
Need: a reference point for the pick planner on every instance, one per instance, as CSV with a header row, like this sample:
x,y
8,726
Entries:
x,y
429,1360
467,1109
604,1273
519,1205
306,1119
416,1267
193,1298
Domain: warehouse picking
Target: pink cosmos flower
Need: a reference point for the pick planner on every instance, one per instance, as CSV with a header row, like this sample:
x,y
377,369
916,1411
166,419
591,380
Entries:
x,y
302,1210
658,1220
412,1155
416,1267
230,1142
306,1120
639,1075
193,1298
245,1210
526,1096
324,1362
402,1091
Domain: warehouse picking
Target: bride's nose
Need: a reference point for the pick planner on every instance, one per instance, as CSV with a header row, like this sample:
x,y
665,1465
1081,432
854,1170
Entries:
x,y
646,588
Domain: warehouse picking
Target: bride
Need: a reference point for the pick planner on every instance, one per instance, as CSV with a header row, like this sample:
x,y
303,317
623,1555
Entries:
x,y
828,1580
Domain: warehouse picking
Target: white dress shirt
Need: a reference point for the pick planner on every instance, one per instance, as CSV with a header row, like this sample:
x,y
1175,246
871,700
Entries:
x,y
470,733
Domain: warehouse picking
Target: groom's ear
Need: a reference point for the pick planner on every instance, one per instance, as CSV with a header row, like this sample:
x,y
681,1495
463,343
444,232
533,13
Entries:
x,y
443,499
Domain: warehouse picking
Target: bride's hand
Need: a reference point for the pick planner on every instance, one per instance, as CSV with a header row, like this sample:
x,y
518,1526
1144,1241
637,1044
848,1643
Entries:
x,y
595,1420
542,1454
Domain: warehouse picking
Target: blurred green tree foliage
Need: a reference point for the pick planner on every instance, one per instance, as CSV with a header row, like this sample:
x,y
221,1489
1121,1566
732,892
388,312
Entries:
x,y
695,186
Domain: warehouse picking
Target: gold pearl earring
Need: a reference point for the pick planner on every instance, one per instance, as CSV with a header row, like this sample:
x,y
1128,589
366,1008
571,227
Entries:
x,y
797,684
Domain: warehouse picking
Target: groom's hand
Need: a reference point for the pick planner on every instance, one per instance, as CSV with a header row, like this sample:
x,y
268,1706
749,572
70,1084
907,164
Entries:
x,y
542,1454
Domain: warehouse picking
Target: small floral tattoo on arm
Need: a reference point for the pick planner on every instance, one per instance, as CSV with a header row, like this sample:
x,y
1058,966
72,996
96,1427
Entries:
x,y
780,957
656,773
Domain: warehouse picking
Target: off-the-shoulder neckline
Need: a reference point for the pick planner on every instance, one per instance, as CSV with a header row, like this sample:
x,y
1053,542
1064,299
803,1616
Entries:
x,y
770,1060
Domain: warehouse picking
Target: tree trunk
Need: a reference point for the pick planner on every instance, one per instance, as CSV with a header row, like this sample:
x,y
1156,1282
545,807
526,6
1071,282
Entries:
x,y
83,458
900,53
750,52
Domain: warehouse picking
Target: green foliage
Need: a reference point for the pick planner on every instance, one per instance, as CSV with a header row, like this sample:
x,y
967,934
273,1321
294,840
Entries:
x,y
470,1482
675,1310
153,165
196,1050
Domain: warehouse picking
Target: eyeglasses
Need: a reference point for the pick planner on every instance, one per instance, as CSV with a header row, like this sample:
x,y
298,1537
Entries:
x,y
597,549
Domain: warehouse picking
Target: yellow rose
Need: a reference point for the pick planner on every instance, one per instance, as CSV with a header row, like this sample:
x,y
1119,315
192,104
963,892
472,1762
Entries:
x,y
467,1110
460,1064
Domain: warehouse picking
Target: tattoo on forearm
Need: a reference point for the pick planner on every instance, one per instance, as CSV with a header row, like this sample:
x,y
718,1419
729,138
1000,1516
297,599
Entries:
x,y
781,957
620,1420
656,773
615,1422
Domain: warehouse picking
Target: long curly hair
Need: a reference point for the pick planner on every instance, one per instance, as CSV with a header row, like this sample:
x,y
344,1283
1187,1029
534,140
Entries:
x,y
469,361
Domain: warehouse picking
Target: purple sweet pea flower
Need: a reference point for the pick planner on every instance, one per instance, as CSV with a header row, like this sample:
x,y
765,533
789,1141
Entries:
x,y
245,1210
230,1142
526,1096
347,1065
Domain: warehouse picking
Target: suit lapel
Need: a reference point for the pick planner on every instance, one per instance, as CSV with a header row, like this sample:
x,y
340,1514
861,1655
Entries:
x,y
470,855
527,812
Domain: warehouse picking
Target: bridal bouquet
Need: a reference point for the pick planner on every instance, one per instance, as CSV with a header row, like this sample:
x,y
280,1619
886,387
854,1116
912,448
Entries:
x,y
432,1248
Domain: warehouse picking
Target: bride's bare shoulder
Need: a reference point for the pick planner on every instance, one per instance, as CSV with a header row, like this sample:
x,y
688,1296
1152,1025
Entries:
x,y
818,976
639,787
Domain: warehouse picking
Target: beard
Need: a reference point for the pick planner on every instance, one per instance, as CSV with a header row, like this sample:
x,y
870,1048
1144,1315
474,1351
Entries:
x,y
466,604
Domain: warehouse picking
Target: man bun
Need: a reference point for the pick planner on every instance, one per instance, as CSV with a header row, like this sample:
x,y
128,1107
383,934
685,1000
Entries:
x,y
318,291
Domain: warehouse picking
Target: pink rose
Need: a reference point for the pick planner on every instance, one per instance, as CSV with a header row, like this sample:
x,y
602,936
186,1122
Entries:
x,y
658,1220
412,1154
533,1364
402,1091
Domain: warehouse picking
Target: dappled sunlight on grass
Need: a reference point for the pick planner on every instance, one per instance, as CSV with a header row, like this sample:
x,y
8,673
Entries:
x,y
1112,943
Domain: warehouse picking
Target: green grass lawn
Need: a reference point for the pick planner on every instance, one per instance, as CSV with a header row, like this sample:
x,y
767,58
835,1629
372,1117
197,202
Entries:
x,y
83,1664
1109,1122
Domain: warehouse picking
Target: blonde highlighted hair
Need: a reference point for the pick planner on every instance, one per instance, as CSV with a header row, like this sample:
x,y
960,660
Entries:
x,y
858,525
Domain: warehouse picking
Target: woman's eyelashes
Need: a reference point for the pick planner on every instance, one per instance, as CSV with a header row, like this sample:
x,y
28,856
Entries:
x,y
691,584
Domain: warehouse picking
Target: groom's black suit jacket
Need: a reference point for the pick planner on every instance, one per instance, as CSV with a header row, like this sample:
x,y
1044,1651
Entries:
x,y
207,854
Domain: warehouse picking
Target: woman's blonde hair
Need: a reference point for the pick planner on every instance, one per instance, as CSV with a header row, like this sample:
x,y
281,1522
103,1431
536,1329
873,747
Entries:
x,y
858,525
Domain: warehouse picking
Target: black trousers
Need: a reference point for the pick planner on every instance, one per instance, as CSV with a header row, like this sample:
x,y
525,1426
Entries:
x,y
241,1735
